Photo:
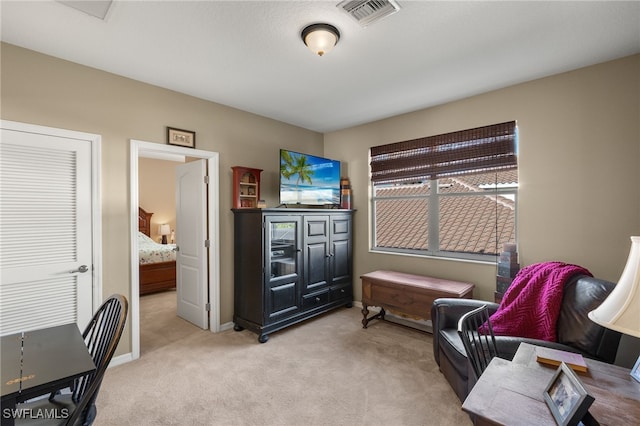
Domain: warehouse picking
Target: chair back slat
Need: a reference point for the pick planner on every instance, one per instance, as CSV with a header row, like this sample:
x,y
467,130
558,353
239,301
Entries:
x,y
477,336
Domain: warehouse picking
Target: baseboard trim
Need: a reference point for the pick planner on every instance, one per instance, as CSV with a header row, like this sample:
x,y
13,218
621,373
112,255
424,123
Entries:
x,y
121,359
226,326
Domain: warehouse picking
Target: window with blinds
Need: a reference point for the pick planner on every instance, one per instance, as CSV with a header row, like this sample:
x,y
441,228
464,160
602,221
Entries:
x,y
451,195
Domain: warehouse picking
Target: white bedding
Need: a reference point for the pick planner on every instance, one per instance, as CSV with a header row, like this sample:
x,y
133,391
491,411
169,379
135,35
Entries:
x,y
151,252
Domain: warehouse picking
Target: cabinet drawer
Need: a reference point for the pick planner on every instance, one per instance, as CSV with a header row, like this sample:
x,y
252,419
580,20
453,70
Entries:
x,y
315,299
340,292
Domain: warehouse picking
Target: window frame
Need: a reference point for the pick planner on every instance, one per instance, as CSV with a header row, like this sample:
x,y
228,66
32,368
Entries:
x,y
433,201
423,159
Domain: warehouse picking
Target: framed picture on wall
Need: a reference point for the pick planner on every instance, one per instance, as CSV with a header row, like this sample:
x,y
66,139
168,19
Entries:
x,y
181,137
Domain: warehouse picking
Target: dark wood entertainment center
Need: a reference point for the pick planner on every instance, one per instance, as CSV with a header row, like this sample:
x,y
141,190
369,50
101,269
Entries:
x,y
290,265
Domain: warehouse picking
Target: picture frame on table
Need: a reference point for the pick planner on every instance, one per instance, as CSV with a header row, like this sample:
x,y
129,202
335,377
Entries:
x,y
181,137
567,397
635,371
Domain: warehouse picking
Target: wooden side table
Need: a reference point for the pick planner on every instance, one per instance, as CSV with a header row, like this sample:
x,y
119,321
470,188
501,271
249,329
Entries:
x,y
510,392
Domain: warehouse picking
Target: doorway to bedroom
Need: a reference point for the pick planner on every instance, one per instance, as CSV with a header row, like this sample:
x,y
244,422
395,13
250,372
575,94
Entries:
x,y
180,210
160,322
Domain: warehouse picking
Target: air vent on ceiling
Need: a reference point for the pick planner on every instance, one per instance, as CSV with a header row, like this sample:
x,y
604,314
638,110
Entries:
x,y
365,12
96,8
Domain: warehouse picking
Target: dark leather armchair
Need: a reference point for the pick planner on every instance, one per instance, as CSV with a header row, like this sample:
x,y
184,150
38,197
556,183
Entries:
x,y
576,332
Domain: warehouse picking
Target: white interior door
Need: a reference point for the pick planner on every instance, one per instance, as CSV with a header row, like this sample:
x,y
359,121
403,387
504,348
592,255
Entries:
x,y
45,230
191,239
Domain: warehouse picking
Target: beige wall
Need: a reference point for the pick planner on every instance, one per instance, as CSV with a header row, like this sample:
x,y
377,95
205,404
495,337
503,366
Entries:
x,y
157,192
47,91
579,151
579,155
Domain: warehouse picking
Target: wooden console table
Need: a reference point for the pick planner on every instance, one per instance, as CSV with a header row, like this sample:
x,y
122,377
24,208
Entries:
x,y
510,392
406,294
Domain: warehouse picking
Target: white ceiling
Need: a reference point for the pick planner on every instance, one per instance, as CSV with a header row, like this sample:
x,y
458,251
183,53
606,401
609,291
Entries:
x,y
249,54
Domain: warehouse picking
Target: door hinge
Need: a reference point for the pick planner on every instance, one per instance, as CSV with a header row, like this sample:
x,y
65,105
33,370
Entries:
x,y
207,307
207,243
206,180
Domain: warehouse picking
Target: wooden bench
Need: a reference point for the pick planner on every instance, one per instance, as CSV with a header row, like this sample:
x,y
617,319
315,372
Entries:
x,y
407,294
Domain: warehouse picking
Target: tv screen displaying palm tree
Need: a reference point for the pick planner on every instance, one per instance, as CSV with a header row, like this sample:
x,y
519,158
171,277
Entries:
x,y
308,180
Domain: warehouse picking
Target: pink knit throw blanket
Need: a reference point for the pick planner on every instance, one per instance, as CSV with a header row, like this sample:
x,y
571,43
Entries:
x,y
531,305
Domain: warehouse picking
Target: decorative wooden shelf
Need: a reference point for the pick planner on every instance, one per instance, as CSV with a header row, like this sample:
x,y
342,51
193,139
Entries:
x,y
246,187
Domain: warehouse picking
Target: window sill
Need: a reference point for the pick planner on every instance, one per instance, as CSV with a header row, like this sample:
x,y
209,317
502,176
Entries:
x,y
490,262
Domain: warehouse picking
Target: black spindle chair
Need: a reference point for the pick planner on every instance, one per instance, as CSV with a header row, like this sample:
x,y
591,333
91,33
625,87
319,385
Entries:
x,y
478,339
101,335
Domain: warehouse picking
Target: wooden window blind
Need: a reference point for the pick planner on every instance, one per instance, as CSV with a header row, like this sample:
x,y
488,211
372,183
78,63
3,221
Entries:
x,y
480,150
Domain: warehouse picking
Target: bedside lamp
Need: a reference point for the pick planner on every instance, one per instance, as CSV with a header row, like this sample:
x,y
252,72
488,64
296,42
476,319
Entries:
x,y
621,309
165,230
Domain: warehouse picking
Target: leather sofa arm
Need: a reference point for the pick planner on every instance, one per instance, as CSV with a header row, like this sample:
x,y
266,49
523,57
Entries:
x,y
446,312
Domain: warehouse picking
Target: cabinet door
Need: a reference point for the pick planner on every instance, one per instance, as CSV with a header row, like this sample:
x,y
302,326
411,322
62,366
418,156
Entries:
x,y
283,263
340,248
316,253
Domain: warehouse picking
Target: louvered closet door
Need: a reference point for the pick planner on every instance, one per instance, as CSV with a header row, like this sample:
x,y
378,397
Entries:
x,y
45,231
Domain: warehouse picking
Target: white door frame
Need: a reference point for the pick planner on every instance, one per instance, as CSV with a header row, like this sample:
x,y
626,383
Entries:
x,y
213,221
96,200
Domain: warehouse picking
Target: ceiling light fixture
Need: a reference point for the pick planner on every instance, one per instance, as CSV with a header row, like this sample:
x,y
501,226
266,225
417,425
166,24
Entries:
x,y
320,38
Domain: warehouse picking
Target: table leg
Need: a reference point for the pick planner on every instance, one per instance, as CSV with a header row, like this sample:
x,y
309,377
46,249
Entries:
x,y
365,313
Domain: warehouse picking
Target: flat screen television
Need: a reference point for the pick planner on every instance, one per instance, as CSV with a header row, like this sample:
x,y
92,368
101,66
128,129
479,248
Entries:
x,y
308,180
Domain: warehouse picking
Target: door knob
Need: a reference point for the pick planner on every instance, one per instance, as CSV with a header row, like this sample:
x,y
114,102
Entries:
x,y
82,268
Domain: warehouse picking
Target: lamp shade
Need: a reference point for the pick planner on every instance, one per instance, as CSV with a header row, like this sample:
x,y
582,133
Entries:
x,y
320,38
621,309
165,229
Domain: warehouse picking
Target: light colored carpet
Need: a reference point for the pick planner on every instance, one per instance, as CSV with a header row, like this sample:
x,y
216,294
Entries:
x,y
325,371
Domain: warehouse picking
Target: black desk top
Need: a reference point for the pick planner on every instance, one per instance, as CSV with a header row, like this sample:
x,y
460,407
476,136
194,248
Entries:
x,y
44,359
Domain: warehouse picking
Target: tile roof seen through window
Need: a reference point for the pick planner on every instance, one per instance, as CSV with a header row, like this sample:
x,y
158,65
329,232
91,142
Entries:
x,y
470,215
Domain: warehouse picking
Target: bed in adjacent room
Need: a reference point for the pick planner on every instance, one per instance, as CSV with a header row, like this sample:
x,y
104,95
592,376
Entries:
x,y
157,261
